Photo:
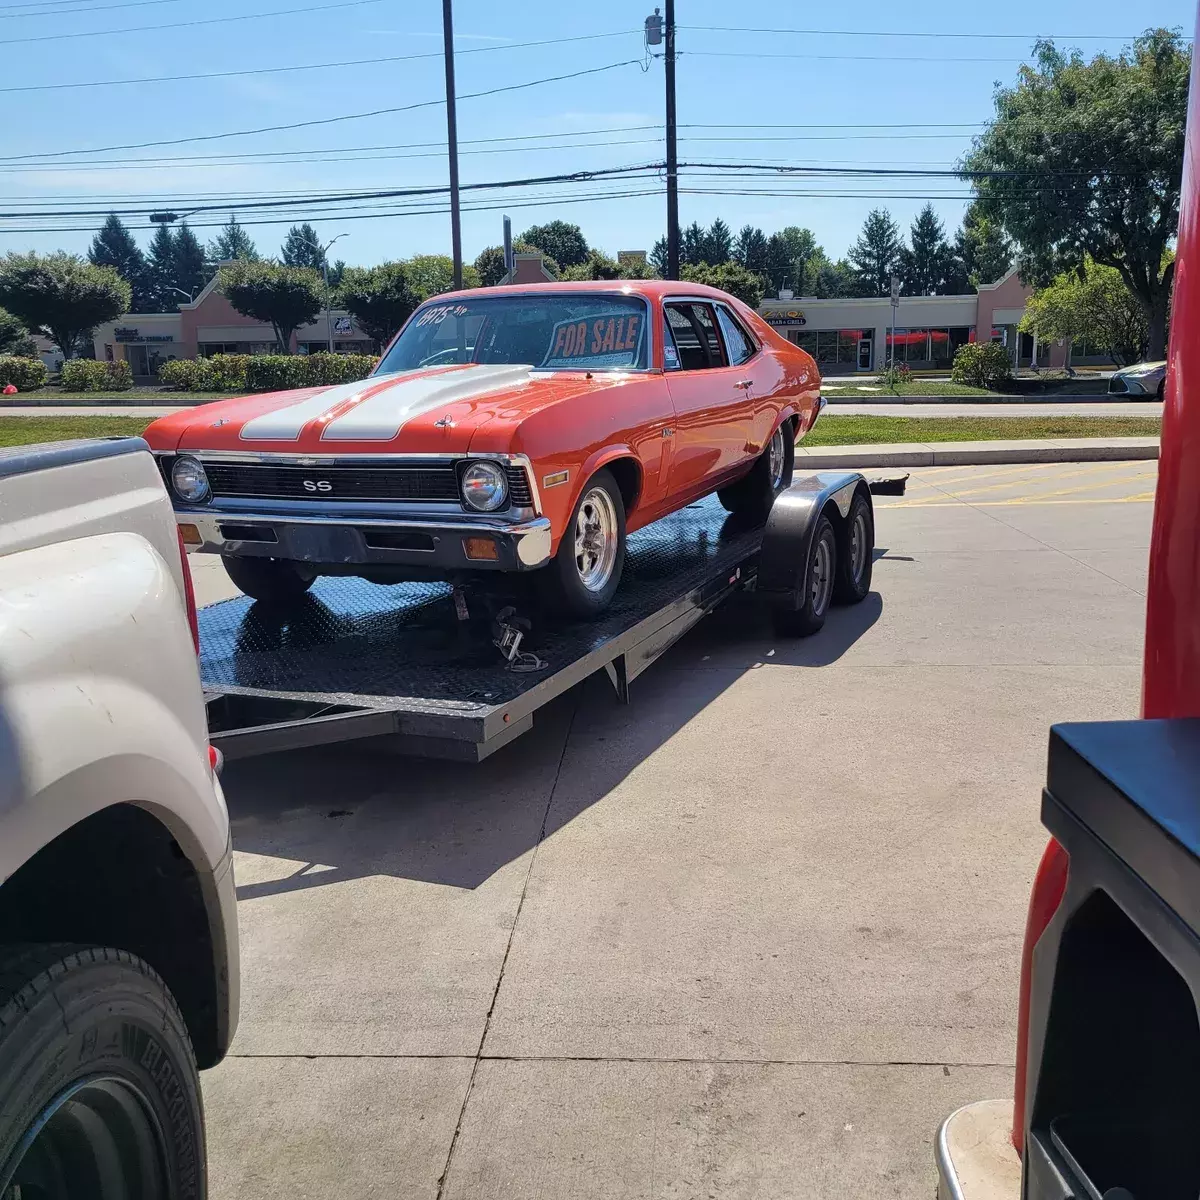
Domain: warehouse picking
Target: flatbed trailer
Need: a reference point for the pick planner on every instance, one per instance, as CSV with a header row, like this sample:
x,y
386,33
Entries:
x,y
436,670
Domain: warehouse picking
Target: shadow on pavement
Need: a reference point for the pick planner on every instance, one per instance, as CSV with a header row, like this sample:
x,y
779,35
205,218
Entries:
x,y
332,814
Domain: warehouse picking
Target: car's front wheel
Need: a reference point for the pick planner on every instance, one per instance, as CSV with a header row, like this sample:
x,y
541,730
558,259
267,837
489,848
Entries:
x,y
582,578
272,580
754,494
98,1082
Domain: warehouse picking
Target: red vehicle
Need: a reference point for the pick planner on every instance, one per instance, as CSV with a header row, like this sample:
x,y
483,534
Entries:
x,y
505,429
1105,1099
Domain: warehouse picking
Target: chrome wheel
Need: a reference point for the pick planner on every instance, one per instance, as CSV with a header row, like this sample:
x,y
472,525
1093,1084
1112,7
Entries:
x,y
821,583
776,457
596,539
96,1138
858,546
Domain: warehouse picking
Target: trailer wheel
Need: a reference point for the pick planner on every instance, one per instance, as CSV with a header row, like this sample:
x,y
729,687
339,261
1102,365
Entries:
x,y
820,575
582,578
772,472
272,580
98,1082
853,580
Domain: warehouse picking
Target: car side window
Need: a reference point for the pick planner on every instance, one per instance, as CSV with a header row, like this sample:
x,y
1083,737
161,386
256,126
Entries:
x,y
670,350
694,329
738,345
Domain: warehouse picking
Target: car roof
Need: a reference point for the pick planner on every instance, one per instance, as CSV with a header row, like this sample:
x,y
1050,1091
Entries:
x,y
649,288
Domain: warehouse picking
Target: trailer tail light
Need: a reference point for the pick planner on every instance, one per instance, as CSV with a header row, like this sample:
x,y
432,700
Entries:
x,y
189,592
1049,884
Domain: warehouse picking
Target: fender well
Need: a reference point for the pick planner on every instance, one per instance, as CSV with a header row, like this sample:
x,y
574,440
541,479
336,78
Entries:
x,y
625,468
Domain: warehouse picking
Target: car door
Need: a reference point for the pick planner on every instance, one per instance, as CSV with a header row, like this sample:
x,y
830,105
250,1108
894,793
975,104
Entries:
x,y
710,397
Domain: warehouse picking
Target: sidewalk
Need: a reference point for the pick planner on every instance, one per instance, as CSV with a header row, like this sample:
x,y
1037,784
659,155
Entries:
x,y
946,454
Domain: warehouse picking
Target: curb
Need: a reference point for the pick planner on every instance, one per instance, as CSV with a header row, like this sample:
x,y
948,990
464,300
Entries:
x,y
1047,398
103,400
951,454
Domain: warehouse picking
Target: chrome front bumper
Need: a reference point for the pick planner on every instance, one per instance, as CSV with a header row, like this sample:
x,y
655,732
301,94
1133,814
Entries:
x,y
348,540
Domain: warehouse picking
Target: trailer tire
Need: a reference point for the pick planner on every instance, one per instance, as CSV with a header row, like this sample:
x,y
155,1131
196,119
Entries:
x,y
820,573
754,494
856,557
582,584
98,1082
271,580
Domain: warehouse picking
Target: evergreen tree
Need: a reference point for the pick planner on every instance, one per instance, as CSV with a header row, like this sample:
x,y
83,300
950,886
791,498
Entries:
x,y
800,245
231,244
983,247
160,272
114,246
750,249
927,265
336,272
778,262
693,245
302,248
875,255
718,243
188,273
658,257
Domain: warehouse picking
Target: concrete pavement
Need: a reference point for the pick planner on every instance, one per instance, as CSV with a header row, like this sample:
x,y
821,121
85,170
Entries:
x,y
751,936
1020,408
1015,450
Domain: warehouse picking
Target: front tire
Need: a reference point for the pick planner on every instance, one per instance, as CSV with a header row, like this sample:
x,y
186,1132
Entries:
x,y
582,578
772,472
98,1082
819,575
272,580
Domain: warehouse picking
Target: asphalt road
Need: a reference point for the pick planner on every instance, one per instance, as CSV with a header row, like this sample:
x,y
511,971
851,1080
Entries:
x,y
749,938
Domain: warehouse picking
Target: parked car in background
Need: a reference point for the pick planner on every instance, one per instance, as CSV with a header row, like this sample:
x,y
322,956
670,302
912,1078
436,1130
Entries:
x,y
118,929
1142,379
508,429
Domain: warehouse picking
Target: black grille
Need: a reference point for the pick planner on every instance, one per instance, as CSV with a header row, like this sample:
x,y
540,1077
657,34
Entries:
x,y
419,481
518,488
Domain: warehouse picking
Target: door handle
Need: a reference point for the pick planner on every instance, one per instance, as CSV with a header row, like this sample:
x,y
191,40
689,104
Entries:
x,y
744,384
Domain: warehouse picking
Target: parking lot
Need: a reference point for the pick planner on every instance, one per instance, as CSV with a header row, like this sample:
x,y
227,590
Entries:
x,y
753,935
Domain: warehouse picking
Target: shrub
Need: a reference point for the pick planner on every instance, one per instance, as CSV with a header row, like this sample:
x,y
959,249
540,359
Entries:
x,y
25,374
895,376
276,372
186,374
338,368
88,375
227,372
981,364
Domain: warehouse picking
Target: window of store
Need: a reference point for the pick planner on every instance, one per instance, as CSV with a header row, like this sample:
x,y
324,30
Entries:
x,y
806,341
827,345
208,349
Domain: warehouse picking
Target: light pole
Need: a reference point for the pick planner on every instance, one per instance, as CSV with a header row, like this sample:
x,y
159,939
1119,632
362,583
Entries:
x,y
452,141
323,251
659,31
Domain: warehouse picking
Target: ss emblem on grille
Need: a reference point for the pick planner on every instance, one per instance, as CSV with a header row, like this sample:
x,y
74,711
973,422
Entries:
x,y
318,485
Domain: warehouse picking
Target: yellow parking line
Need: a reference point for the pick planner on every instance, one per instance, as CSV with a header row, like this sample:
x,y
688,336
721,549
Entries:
x,y
1144,498
940,481
1093,470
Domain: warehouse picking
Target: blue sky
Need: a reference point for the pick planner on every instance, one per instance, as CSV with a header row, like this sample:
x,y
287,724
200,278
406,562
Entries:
x,y
780,97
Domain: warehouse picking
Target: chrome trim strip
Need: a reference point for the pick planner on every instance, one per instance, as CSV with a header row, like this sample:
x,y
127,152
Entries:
x,y
522,529
948,1183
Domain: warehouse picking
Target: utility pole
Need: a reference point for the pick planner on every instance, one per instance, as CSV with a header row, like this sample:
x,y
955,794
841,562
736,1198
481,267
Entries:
x,y
672,156
452,139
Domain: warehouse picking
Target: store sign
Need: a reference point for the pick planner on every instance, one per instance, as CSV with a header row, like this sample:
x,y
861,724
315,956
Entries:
x,y
788,318
342,325
122,334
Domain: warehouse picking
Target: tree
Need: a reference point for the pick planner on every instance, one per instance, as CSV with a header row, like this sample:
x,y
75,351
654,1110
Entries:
x,y
284,297
230,245
1094,303
380,298
927,265
875,255
825,279
188,271
793,246
693,245
337,271
658,258
114,246
489,266
564,243
750,249
717,243
1090,161
600,266
730,277
982,247
61,295
14,337
432,274
302,248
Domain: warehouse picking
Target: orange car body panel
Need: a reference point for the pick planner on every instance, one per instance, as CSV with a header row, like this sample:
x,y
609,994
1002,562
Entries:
x,y
689,432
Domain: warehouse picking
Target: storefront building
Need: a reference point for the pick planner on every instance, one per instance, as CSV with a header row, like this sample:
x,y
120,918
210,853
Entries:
x,y
856,334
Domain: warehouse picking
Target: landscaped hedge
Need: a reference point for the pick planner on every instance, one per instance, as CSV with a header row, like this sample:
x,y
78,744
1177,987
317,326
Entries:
x,y
25,374
264,372
982,364
88,375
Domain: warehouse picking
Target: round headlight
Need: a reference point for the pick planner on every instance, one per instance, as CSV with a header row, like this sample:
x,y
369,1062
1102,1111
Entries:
x,y
189,480
484,487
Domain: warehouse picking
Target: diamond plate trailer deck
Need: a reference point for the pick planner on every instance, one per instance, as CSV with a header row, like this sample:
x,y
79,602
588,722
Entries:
x,y
353,660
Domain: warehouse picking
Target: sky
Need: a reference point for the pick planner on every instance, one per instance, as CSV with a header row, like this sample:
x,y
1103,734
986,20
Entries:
x,y
789,83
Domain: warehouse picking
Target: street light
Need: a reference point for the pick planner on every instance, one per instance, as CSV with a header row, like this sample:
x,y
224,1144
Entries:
x,y
323,251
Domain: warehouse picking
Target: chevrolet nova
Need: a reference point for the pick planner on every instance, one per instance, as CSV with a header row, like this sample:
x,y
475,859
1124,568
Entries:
x,y
505,429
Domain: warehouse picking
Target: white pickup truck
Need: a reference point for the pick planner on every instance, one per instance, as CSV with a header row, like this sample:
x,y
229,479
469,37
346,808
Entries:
x,y
118,934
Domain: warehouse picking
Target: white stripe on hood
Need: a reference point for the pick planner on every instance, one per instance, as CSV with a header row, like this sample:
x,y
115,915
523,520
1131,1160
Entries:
x,y
381,418
286,424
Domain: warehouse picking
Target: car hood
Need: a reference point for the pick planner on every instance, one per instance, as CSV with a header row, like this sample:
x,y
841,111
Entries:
x,y
1140,370
429,411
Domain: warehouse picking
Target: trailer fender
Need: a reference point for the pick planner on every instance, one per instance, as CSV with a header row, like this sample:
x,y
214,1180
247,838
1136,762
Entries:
x,y
787,538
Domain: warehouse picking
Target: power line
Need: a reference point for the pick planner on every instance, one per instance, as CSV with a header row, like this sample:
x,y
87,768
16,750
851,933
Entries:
x,y
378,112
282,12
933,58
913,33
62,12
322,66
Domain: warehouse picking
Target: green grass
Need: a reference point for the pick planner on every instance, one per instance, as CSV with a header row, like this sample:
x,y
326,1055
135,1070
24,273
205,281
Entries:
x,y
918,387
52,396
21,431
846,431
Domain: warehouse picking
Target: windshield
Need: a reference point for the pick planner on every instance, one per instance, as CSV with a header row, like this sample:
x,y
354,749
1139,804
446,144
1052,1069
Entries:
x,y
551,332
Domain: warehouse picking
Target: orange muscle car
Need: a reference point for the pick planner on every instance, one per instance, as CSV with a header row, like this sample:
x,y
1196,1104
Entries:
x,y
505,429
